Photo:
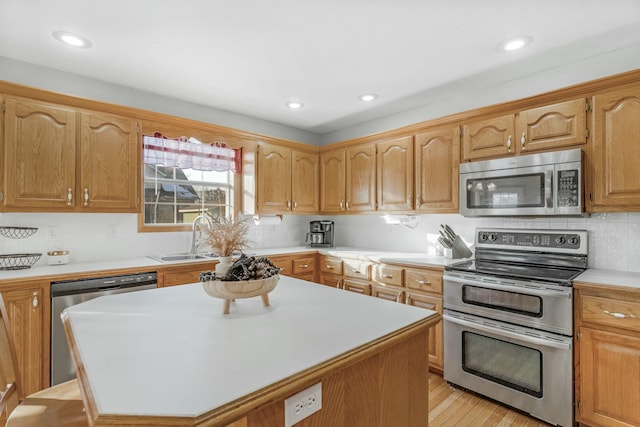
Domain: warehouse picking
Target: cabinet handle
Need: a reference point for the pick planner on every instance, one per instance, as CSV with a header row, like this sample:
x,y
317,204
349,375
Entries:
x,y
295,205
422,282
523,140
620,315
86,197
399,297
69,196
35,302
409,200
330,267
387,276
509,143
304,266
341,204
355,271
348,205
339,284
288,204
417,201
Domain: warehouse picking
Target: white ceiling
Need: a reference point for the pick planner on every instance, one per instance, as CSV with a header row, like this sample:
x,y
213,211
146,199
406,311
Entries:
x,y
251,56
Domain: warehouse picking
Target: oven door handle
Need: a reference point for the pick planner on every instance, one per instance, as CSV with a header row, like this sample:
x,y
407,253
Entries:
x,y
525,338
503,287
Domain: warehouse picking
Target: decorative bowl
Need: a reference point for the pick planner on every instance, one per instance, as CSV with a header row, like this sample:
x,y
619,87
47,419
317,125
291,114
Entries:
x,y
231,290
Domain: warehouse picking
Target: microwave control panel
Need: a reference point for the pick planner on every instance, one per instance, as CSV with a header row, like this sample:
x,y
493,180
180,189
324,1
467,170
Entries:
x,y
568,188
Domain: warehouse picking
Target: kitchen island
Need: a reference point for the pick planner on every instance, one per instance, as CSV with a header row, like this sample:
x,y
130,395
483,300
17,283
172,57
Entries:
x,y
170,357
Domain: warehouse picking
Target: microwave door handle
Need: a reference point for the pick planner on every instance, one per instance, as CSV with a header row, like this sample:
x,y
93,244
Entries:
x,y
548,188
515,335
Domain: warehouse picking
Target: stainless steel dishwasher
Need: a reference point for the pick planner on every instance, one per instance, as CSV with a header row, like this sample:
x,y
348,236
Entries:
x,y
67,293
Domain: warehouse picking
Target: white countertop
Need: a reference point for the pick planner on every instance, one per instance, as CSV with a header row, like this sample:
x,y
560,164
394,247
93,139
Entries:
x,y
412,258
139,348
628,279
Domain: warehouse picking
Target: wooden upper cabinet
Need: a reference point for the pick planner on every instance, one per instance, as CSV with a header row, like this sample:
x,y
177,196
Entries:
x,y
287,180
436,169
394,169
273,179
614,152
109,162
332,181
361,178
39,161
304,185
25,308
494,137
552,126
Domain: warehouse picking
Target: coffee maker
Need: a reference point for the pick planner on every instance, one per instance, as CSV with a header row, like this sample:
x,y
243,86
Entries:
x,y
320,234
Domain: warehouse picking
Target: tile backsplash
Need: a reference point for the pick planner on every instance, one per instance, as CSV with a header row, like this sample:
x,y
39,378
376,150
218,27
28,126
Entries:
x,y
614,238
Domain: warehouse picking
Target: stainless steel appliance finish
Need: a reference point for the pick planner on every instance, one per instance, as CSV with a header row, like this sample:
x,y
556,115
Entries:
x,y
321,234
67,293
534,184
508,319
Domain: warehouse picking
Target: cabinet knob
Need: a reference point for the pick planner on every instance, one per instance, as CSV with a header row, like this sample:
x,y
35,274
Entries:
x,y
69,196
523,140
509,144
86,197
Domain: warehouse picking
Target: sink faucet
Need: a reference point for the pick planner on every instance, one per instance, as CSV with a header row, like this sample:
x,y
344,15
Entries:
x,y
196,222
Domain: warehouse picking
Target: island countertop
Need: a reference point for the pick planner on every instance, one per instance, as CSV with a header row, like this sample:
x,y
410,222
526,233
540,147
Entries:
x,y
170,352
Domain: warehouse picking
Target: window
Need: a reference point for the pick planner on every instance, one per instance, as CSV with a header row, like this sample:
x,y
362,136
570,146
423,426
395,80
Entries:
x,y
184,178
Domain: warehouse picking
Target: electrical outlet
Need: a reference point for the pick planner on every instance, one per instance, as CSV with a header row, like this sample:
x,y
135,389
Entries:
x,y
302,404
52,233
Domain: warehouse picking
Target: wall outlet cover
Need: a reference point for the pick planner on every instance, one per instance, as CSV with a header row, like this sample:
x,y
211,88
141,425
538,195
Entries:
x,y
302,404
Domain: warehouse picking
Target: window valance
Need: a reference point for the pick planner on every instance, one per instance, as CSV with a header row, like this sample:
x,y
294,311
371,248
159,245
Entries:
x,y
189,153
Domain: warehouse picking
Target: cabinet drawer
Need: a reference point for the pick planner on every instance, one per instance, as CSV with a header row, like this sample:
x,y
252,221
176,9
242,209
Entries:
x,y
331,265
357,269
611,312
302,266
423,280
388,274
284,263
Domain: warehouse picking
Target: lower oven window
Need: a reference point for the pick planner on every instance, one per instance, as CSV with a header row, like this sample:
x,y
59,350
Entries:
x,y
505,363
513,302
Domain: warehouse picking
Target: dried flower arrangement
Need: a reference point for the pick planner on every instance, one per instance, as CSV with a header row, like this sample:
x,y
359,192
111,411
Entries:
x,y
227,236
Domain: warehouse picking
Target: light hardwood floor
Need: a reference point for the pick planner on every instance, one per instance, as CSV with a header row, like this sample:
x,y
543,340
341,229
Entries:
x,y
450,406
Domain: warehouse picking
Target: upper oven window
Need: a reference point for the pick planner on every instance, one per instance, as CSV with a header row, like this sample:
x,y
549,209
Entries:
x,y
506,192
513,302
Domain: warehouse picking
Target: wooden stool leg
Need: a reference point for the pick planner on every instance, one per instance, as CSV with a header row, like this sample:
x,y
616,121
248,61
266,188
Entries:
x,y
227,305
265,299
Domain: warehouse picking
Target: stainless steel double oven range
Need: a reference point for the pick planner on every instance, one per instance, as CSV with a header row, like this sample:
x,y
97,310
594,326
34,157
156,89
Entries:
x,y
508,319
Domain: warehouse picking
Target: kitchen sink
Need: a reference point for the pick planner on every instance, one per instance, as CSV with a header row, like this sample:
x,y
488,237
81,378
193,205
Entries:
x,y
182,257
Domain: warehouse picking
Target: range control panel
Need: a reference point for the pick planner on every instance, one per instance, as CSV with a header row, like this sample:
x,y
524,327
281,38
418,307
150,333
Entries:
x,y
572,240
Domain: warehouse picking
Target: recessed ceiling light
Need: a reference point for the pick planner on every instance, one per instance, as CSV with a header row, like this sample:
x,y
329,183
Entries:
x,y
294,105
514,44
366,97
72,39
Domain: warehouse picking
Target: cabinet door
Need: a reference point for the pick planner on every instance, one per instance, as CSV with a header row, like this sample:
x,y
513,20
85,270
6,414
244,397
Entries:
x,y
331,280
552,126
436,335
274,179
304,267
394,169
361,178
109,162
332,181
489,138
437,173
304,185
614,152
390,293
25,309
39,161
356,286
609,368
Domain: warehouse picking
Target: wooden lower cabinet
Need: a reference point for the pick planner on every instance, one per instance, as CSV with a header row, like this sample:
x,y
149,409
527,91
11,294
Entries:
x,y
390,293
28,311
302,266
183,274
357,286
608,357
436,335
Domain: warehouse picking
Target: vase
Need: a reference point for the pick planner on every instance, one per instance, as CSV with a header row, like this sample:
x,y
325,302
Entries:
x,y
223,265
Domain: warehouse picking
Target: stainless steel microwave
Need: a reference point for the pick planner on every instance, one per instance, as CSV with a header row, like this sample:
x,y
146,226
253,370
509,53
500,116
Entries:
x,y
535,184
